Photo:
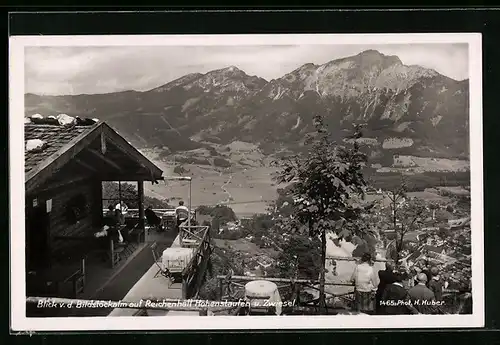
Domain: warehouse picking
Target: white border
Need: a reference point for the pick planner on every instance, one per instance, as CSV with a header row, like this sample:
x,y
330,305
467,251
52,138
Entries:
x,y
16,108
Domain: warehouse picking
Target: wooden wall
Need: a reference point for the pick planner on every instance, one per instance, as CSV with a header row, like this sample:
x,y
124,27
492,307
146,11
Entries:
x,y
60,225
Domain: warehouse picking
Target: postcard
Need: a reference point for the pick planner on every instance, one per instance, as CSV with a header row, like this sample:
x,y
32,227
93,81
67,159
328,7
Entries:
x,y
319,181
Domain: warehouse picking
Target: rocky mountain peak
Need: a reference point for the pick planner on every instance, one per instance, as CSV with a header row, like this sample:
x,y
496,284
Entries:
x,y
369,59
178,82
394,99
230,79
350,77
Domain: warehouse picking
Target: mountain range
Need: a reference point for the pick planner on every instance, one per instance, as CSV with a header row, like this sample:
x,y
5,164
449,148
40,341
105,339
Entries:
x,y
405,109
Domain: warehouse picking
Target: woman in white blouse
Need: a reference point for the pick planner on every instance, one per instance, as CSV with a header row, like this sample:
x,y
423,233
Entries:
x,y
365,285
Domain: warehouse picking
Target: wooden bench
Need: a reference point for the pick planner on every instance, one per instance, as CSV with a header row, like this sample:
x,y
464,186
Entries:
x,y
77,278
115,250
136,233
52,279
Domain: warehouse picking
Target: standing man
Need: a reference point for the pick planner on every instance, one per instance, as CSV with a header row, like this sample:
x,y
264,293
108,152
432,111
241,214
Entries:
x,y
423,266
436,283
386,277
420,294
181,214
395,299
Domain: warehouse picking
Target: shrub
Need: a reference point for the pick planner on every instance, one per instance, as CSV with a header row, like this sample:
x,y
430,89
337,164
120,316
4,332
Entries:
x,y
232,235
221,162
179,170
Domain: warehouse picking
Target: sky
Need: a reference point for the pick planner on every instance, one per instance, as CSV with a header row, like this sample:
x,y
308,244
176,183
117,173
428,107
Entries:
x,y
89,70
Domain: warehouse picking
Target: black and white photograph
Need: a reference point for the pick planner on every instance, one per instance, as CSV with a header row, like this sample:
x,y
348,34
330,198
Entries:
x,y
253,181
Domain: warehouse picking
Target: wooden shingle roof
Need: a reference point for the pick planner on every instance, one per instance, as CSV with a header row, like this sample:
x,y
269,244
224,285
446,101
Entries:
x,y
49,147
55,137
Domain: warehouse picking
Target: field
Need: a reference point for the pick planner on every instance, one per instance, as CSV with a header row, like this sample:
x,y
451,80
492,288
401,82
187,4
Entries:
x,y
247,190
426,195
425,164
429,196
250,189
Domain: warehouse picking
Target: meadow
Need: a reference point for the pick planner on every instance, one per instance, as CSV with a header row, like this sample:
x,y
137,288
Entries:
x,y
246,190
250,189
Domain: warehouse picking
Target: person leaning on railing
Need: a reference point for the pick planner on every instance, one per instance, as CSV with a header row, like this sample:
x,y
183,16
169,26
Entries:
x,y
152,218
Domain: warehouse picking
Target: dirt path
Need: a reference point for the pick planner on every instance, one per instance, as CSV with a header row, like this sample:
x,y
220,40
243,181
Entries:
x,y
223,187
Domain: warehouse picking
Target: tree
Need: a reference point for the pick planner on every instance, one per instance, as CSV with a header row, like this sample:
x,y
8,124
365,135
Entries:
x,y
259,225
405,215
325,183
221,162
300,258
284,203
179,170
223,262
220,214
111,191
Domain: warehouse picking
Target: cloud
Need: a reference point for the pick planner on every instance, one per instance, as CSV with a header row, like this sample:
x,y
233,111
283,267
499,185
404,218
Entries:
x,y
77,70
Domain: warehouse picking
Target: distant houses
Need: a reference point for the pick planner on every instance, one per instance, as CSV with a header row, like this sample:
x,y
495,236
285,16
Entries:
x,y
459,223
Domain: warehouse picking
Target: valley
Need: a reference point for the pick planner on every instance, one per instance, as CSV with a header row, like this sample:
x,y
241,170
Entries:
x,y
246,190
225,127
250,189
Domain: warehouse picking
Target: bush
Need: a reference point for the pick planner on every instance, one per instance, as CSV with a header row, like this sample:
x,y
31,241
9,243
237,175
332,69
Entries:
x,y
205,210
222,213
231,235
210,290
213,152
221,163
179,170
259,225
156,203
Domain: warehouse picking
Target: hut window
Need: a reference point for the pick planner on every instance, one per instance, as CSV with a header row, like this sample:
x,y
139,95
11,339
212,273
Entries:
x,y
116,192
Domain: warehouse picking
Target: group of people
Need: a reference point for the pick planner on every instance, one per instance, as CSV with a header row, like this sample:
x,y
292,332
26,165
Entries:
x,y
115,216
181,215
397,292
114,220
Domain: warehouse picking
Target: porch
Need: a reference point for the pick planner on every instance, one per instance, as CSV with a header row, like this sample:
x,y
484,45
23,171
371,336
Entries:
x,y
65,194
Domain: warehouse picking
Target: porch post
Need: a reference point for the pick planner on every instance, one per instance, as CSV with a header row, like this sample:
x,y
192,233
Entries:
x,y
98,199
120,194
140,192
189,216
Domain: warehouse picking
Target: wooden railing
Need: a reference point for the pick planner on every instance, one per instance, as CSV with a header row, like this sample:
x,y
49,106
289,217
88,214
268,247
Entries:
x,y
229,285
134,212
350,258
232,288
194,273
